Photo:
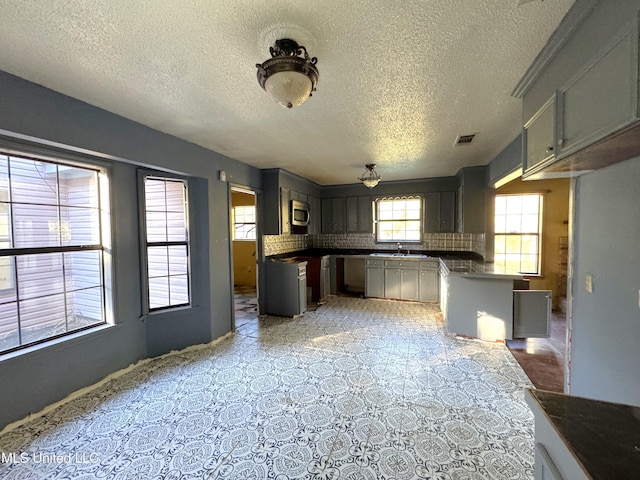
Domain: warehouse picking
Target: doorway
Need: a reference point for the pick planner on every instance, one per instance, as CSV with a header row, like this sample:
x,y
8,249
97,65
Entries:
x,y
544,360
244,237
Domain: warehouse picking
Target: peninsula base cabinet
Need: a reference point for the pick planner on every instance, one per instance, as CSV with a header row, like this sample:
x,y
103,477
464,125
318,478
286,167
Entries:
x,y
553,459
402,279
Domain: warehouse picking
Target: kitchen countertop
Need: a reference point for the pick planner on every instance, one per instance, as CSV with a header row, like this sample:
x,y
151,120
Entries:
x,y
474,268
455,263
604,437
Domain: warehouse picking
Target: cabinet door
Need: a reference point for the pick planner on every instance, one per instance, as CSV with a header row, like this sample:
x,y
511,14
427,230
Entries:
x,y
410,285
432,212
339,223
602,98
539,136
374,282
352,214
327,215
392,282
428,285
447,212
285,197
365,215
315,217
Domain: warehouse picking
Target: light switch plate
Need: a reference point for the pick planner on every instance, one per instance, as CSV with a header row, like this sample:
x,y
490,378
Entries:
x,y
588,284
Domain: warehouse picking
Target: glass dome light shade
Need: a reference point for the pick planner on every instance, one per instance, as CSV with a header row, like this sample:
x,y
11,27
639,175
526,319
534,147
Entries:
x,y
288,88
371,182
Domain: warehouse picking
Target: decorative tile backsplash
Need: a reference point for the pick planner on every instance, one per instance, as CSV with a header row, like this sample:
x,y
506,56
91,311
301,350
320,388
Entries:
x,y
452,242
278,244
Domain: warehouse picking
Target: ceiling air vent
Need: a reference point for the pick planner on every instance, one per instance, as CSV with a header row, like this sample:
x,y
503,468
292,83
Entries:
x,y
464,139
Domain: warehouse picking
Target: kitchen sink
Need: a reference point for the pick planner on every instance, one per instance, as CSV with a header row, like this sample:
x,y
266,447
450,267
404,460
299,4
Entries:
x,y
401,255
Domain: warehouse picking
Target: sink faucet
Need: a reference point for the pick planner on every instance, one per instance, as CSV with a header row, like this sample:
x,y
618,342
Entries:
x,y
399,247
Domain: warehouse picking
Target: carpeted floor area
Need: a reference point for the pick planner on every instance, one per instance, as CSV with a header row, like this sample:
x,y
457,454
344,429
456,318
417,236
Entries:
x,y
358,389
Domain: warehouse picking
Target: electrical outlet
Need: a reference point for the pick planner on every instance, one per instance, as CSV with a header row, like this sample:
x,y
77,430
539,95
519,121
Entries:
x,y
588,283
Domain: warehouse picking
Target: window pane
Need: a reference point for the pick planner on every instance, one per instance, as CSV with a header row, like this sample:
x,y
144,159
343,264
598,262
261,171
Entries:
x,y
178,260
514,224
82,270
499,244
500,224
9,337
154,195
158,261
530,223
175,196
179,290
80,226
156,226
514,204
33,181
41,318
530,204
529,264
501,205
78,186
84,308
176,227
40,275
36,225
158,292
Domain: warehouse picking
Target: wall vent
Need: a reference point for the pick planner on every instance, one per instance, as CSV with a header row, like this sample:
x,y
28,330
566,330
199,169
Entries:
x,y
464,139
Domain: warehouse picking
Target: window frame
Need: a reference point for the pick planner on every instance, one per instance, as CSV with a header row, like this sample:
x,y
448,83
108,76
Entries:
x,y
538,233
144,258
104,198
421,220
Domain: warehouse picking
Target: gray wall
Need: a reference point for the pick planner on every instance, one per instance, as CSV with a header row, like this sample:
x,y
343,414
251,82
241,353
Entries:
x,y
507,161
606,323
406,187
33,114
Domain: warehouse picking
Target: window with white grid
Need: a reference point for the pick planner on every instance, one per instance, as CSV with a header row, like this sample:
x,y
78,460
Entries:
x,y
167,242
399,219
518,226
244,222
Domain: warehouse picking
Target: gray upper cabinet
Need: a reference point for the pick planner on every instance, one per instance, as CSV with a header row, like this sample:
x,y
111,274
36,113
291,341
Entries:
x,y
602,98
539,137
440,212
285,202
591,121
359,215
301,197
333,215
315,214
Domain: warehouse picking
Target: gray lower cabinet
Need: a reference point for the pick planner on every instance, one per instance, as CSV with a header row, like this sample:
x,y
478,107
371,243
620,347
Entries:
x,y
402,279
428,281
374,278
531,313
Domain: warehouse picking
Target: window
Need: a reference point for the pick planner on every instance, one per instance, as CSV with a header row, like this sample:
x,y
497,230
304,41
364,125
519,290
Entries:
x,y
244,222
51,250
399,219
167,242
517,232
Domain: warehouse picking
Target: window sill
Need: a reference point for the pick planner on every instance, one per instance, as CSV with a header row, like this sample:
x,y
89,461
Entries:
x,y
167,312
61,343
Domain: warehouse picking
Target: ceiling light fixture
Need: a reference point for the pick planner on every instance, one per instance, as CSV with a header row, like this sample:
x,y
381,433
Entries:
x,y
290,75
370,177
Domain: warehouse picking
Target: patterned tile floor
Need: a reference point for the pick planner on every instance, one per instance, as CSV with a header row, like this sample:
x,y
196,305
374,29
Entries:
x,y
358,389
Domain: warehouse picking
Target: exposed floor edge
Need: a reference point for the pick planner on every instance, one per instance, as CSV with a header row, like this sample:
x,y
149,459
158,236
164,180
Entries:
x,y
108,378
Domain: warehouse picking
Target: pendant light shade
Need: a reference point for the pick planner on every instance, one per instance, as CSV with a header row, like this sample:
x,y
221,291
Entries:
x,y
370,177
290,75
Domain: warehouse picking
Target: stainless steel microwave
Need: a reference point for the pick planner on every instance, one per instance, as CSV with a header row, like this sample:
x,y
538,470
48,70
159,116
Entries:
x,y
299,213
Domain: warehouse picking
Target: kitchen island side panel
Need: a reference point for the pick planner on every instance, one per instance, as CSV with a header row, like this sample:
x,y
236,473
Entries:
x,y
480,307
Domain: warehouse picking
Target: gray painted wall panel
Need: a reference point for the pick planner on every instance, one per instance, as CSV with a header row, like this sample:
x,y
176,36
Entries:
x,y
606,323
32,113
507,161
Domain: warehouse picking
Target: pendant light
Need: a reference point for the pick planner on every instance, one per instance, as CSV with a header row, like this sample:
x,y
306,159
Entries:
x,y
370,177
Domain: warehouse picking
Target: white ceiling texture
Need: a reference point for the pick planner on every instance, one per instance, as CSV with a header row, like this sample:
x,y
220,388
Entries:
x,y
399,80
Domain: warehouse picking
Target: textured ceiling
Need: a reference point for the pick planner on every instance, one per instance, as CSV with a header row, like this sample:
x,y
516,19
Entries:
x,y
399,80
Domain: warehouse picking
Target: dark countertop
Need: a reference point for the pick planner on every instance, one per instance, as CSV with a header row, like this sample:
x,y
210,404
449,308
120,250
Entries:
x,y
480,269
604,437
321,252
